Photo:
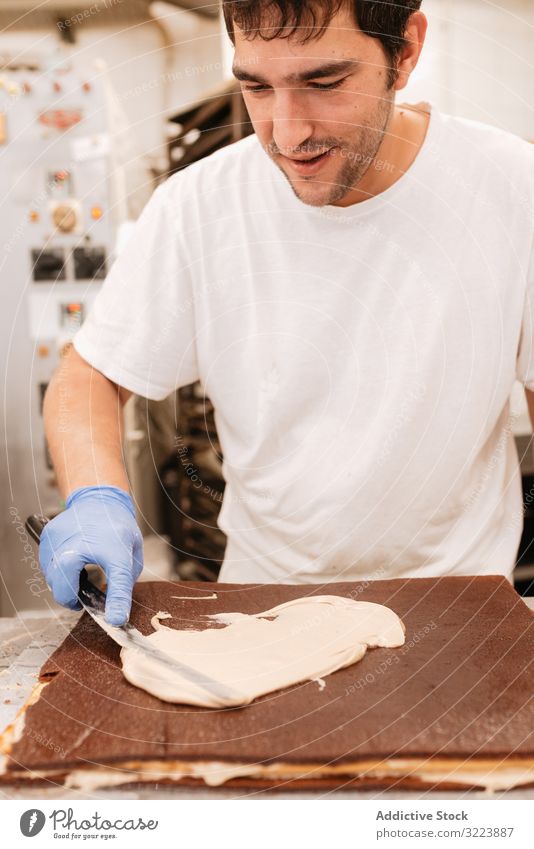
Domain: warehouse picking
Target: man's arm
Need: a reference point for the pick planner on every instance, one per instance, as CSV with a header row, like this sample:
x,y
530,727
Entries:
x,y
83,424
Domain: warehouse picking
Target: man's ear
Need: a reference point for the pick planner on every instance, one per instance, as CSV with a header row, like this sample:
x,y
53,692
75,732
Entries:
x,y
409,56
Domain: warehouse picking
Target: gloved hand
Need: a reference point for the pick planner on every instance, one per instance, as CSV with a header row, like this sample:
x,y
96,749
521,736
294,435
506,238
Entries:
x,y
97,526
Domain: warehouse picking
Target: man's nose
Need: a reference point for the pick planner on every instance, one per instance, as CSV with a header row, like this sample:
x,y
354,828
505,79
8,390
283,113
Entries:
x,y
292,126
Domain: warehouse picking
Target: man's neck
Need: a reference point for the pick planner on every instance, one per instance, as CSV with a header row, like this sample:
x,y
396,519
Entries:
x,y
404,137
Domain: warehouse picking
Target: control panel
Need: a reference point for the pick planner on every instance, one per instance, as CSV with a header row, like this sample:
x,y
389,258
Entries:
x,y
59,232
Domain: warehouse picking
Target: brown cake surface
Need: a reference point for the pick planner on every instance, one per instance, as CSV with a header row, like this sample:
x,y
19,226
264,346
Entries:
x,y
460,688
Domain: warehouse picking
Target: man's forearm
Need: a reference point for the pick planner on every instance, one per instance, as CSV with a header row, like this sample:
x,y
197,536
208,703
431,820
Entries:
x,y
83,424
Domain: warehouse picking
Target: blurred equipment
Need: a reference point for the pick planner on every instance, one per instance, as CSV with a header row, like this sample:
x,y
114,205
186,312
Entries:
x,y
194,489
220,119
59,231
524,573
66,8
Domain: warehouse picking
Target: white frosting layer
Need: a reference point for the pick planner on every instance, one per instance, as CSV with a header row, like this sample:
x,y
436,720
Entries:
x,y
215,773
304,639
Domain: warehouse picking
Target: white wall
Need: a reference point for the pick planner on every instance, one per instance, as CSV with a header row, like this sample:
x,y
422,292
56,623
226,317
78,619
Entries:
x,y
478,62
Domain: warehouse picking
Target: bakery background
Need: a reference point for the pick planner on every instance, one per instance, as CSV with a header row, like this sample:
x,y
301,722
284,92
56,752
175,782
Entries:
x,y
98,104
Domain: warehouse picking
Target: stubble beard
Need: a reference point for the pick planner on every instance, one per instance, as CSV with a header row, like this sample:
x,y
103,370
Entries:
x,y
359,155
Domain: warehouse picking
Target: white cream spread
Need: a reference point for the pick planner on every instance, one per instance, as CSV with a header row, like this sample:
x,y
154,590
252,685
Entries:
x,y
304,639
190,597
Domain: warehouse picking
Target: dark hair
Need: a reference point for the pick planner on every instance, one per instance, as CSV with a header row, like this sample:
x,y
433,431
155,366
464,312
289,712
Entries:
x,y
385,20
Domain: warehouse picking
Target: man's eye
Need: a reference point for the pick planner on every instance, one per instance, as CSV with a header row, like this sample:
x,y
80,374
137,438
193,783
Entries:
x,y
327,86
259,89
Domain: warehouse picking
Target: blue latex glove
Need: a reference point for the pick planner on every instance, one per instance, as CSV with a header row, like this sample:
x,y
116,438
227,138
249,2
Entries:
x,y
97,526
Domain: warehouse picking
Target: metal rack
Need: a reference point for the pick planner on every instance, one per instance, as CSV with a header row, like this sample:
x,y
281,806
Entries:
x,y
216,121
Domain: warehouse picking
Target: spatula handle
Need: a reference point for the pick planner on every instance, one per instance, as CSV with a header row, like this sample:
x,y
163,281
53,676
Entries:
x,y
35,525
88,593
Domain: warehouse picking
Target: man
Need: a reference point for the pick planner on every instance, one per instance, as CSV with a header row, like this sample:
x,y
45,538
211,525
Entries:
x,y
352,285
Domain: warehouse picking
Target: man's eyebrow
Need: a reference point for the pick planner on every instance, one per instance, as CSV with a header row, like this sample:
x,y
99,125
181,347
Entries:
x,y
330,69
245,76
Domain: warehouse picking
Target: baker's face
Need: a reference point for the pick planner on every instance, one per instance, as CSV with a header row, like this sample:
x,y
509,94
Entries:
x,y
320,109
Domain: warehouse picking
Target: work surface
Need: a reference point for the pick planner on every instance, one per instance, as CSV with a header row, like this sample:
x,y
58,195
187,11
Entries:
x,y
457,709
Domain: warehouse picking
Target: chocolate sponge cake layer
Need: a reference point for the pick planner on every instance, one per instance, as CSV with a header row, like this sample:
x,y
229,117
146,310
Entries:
x,y
461,688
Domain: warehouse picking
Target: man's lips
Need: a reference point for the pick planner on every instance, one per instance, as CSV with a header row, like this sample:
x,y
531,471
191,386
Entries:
x,y
309,165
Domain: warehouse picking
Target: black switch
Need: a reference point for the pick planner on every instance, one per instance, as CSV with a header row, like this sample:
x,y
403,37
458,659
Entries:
x,y
89,263
48,265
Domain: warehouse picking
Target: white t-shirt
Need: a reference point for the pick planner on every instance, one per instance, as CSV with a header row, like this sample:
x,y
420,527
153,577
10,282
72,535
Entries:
x,y
360,360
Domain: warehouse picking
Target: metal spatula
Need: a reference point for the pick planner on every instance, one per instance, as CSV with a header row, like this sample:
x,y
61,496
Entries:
x,y
93,601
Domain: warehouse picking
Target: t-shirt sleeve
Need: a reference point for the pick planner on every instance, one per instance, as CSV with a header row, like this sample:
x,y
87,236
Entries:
x,y
140,331
525,359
